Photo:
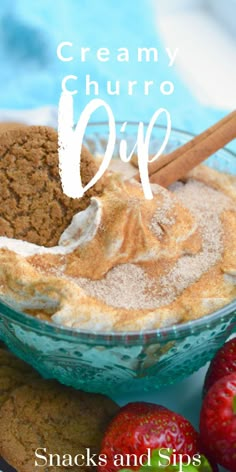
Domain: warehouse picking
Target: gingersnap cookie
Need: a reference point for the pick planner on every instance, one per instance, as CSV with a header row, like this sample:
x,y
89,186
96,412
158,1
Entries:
x,y
33,205
13,373
46,418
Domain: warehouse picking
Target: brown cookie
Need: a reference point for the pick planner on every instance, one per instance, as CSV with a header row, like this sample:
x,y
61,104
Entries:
x,y
48,415
33,205
13,373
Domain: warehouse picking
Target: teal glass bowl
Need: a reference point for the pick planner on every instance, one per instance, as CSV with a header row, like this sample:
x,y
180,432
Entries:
x,y
120,362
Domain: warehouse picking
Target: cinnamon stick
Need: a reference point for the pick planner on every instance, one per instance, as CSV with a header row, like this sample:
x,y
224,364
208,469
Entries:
x,y
171,167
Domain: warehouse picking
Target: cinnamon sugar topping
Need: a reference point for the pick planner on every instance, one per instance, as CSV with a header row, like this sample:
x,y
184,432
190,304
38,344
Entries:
x,y
129,286
128,263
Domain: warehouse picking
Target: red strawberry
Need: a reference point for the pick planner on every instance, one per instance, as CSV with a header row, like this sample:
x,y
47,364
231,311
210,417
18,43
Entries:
x,y
218,422
224,363
141,426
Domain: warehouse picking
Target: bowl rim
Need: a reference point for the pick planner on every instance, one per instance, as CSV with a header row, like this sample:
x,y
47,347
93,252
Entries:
x,y
164,334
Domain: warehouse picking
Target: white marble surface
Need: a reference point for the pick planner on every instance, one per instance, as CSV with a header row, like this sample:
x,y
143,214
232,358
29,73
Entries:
x,y
207,46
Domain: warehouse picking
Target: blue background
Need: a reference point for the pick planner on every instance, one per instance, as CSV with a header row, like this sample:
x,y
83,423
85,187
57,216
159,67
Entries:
x,y
31,73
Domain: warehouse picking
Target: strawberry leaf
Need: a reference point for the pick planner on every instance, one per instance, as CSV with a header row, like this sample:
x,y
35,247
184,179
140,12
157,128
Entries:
x,y
234,405
161,464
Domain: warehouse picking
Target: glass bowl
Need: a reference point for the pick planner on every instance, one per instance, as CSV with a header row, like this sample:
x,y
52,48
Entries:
x,y
113,363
